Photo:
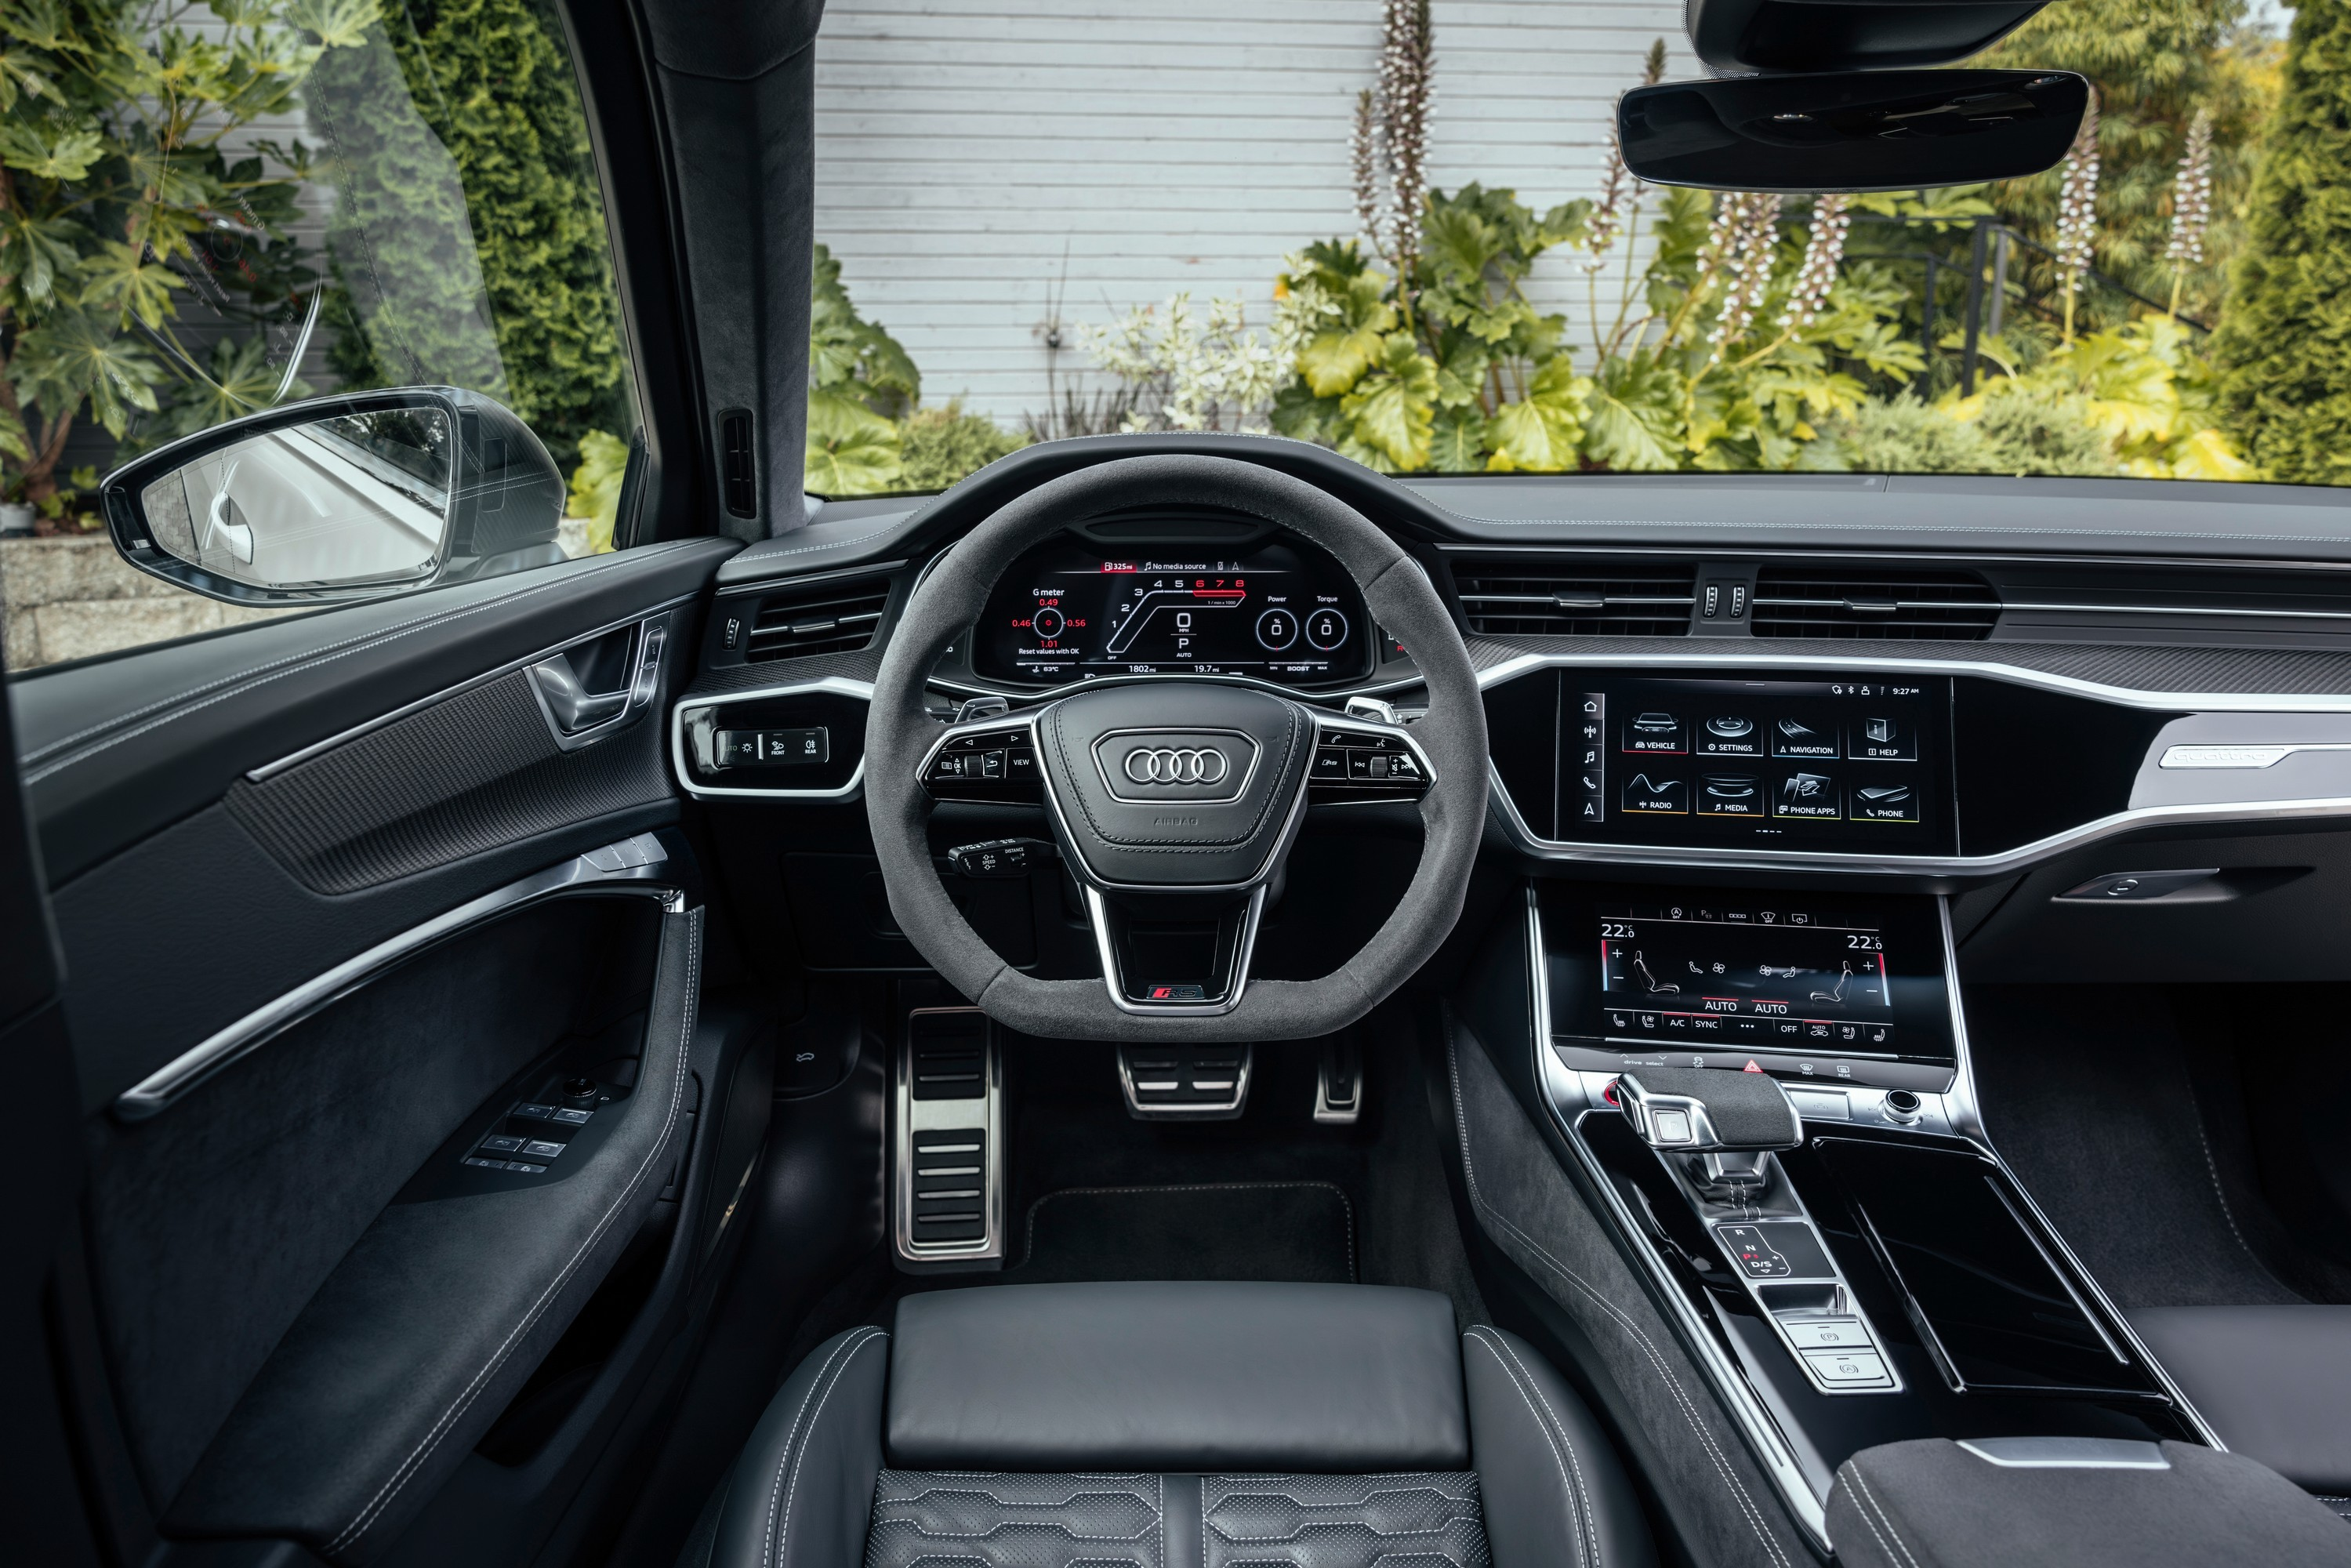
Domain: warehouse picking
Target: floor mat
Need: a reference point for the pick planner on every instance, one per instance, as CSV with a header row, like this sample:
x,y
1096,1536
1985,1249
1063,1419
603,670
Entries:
x,y
1289,1230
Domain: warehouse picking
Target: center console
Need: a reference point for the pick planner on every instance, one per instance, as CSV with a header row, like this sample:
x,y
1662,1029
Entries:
x,y
1767,1096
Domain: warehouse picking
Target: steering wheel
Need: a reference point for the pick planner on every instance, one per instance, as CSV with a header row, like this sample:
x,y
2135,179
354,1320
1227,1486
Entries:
x,y
1174,801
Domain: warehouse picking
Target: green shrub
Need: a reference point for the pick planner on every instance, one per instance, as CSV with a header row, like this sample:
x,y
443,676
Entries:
x,y
463,179
937,446
1906,435
2036,430
2285,347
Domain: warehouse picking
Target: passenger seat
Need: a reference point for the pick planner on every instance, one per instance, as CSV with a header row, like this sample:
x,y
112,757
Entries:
x,y
1175,1425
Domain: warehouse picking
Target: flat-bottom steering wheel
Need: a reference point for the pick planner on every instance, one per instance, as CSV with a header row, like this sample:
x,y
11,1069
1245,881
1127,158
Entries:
x,y
1175,802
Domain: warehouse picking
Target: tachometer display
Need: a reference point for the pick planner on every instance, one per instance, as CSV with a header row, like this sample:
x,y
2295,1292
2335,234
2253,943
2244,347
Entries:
x,y
1064,612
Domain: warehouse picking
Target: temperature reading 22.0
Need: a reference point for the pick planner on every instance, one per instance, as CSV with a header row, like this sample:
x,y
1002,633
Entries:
x,y
1865,943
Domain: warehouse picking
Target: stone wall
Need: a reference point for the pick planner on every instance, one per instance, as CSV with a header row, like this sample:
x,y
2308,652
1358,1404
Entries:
x,y
72,597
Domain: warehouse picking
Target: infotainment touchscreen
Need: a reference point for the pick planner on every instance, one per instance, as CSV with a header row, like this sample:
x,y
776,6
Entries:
x,y
1852,765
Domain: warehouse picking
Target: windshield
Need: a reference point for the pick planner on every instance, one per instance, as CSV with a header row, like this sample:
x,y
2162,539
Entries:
x,y
1403,232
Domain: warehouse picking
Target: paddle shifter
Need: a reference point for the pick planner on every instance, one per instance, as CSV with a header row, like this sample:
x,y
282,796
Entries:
x,y
1731,1120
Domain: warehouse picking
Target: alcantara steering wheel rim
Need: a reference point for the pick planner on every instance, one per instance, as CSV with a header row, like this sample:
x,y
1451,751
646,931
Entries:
x,y
901,732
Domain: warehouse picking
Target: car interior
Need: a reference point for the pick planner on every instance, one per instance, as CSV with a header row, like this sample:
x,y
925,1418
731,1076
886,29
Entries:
x,y
1182,1002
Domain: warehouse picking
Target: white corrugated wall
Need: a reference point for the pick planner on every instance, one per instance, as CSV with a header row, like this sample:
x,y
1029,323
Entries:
x,y
964,147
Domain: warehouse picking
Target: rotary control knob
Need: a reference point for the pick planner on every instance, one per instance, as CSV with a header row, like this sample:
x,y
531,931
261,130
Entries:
x,y
1048,624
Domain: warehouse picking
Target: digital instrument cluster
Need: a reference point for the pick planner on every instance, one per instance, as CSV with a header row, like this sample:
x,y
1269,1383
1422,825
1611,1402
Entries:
x,y
1273,611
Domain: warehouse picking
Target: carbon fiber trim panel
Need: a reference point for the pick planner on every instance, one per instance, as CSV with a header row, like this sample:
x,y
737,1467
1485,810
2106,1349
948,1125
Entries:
x,y
934,1520
2137,667
465,776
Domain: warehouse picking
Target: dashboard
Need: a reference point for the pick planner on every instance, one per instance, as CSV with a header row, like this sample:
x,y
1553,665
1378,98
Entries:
x,y
1276,610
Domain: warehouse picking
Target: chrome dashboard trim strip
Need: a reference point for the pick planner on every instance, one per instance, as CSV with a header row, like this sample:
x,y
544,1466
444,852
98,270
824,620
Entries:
x,y
2021,858
841,685
632,866
2254,755
2015,674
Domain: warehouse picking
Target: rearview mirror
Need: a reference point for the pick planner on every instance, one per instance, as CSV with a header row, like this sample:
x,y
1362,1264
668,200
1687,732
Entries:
x,y
1859,130
340,499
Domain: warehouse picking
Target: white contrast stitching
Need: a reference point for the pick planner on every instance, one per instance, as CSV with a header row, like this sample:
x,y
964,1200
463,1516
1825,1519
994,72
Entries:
x,y
1346,1209
1883,1545
795,1453
1870,1498
1557,1439
432,1439
1622,1320
244,680
847,1347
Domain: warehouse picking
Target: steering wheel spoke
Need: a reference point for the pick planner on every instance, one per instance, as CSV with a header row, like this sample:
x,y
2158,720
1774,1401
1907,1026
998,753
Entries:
x,y
1171,954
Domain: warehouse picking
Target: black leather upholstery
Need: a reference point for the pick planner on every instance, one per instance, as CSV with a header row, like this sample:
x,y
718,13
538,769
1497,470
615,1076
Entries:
x,y
803,1491
1130,1425
1553,1488
1194,1376
2276,1381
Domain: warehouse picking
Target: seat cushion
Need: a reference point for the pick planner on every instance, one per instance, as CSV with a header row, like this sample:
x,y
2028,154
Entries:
x,y
1208,1376
2276,1381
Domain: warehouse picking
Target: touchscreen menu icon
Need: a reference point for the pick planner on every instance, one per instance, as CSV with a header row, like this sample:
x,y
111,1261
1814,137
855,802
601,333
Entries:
x,y
1730,795
1808,797
1882,740
1795,738
1727,735
1666,796
1653,732
1586,802
1885,803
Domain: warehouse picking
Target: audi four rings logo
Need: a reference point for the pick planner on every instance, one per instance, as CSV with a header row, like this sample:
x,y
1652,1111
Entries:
x,y
1162,765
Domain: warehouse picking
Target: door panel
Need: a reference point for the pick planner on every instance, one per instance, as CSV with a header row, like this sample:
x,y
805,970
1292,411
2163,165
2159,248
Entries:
x,y
117,749
337,896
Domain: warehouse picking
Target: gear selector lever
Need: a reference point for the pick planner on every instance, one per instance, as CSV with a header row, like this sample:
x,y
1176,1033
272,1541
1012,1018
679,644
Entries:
x,y
1731,1120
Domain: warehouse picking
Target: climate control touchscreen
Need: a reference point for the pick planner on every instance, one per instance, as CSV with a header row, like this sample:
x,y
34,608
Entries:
x,y
1664,761
1789,979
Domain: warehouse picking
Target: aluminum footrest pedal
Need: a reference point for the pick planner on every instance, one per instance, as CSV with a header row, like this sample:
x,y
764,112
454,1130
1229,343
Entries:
x,y
947,1143
1185,1083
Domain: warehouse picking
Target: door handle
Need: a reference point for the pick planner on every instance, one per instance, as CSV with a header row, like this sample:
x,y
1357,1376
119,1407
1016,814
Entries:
x,y
579,716
573,706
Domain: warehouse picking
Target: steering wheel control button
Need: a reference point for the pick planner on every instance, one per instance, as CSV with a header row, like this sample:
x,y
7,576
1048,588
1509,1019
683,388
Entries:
x,y
1277,630
1185,1083
1808,797
985,765
1372,763
1326,629
998,858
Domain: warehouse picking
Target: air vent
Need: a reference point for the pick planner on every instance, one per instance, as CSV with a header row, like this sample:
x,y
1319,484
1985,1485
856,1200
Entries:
x,y
1892,606
739,465
818,617
1538,598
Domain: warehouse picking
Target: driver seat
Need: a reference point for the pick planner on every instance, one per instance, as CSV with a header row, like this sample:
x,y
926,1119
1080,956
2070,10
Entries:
x,y
1210,1425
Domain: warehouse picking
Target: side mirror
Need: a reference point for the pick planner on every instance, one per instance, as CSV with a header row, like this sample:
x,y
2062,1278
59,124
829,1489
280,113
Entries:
x,y
341,498
1858,131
